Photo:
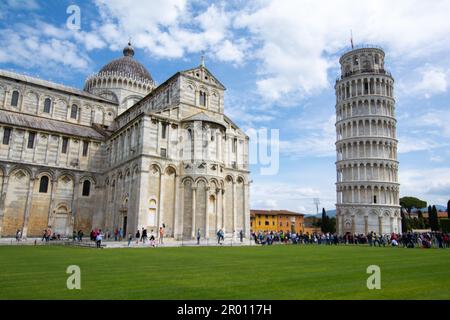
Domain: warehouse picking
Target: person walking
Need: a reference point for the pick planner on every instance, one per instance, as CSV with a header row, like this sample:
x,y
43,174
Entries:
x,y
161,235
138,236
152,239
241,235
198,236
18,235
80,235
130,238
98,239
144,235
219,236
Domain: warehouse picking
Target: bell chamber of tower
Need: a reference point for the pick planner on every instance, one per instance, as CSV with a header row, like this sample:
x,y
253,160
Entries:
x,y
367,167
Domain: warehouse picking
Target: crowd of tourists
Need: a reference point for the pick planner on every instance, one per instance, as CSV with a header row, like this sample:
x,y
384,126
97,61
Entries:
x,y
406,239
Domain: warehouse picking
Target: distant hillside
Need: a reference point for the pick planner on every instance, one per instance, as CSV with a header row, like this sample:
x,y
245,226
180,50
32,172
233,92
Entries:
x,y
438,207
332,213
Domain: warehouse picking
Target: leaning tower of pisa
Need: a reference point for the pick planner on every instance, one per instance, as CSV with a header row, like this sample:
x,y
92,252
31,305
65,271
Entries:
x,y
367,184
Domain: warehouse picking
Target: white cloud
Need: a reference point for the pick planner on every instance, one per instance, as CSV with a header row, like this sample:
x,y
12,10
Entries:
x,y
407,144
433,81
170,28
432,185
287,196
313,140
22,4
296,38
35,47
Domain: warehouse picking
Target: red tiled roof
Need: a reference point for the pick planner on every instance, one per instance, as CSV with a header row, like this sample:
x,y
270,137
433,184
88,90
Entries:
x,y
275,213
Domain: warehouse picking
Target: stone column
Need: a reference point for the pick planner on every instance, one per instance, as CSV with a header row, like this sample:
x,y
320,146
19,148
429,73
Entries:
x,y
207,212
218,208
353,224
234,209
246,212
392,224
5,99
75,201
223,210
179,208
2,201
366,224
179,190
160,219
380,224
194,190
338,220
52,202
28,207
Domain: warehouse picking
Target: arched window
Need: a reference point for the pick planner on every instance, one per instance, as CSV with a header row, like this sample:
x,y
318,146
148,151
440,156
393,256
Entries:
x,y
15,98
86,188
43,184
74,112
47,105
202,98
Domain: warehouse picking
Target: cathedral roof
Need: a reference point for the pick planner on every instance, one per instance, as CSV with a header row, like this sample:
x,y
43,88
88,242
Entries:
x,y
127,65
201,116
39,123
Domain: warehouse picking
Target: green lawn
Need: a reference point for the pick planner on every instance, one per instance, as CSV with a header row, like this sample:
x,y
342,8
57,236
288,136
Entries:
x,y
277,272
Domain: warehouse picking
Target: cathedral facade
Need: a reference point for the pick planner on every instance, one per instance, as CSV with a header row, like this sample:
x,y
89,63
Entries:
x,y
123,153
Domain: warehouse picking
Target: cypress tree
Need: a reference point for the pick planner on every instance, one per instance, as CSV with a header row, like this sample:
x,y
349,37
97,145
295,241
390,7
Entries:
x,y
324,225
434,222
448,209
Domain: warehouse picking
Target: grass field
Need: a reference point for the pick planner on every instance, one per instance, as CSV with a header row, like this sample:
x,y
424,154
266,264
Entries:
x,y
276,272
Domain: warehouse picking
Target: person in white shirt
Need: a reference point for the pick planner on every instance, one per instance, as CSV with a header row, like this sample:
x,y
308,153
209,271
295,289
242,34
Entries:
x,y
98,239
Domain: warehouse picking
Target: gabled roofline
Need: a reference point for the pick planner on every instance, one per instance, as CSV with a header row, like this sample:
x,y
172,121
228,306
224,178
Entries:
x,y
221,86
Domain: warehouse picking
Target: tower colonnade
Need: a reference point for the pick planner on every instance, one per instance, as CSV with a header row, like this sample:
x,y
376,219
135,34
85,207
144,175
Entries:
x,y
367,186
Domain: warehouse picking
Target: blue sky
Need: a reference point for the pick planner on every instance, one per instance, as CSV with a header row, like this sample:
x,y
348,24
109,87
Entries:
x,y
279,62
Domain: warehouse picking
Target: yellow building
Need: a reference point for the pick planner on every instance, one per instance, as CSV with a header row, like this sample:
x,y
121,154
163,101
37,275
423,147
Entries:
x,y
276,220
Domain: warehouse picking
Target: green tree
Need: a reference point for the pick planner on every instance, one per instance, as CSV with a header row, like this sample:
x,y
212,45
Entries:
x,y
324,226
411,202
448,209
405,219
433,219
332,224
421,220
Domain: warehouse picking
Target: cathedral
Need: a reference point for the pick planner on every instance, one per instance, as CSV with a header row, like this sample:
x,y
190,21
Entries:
x,y
123,153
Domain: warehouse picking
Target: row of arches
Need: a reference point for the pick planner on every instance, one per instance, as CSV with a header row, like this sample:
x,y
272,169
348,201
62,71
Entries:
x,y
360,221
48,105
212,204
379,107
368,194
37,199
124,144
368,85
367,127
367,172
366,149
365,59
117,79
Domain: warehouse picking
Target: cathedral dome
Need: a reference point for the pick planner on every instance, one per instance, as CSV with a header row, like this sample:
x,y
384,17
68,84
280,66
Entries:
x,y
127,66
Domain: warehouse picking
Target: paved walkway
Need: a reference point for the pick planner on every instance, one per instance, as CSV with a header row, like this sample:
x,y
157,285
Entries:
x,y
124,244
